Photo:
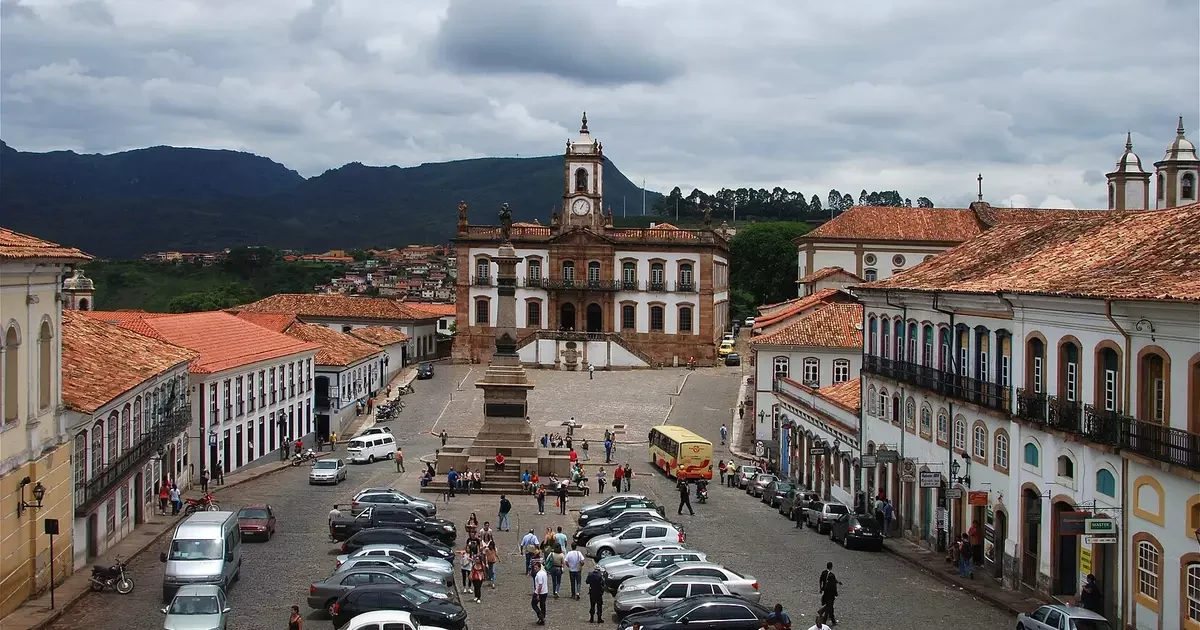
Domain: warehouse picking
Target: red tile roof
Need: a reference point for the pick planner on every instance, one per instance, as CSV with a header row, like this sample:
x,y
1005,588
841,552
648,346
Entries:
x,y
100,361
379,335
271,321
336,349
223,341
439,310
825,272
1134,256
335,305
937,225
799,306
18,246
847,394
835,325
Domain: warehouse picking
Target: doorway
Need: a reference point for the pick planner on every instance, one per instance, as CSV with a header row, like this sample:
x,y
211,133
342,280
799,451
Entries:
x,y
225,450
595,318
566,317
139,505
237,449
1031,513
93,535
1066,554
1001,535
323,426
1104,568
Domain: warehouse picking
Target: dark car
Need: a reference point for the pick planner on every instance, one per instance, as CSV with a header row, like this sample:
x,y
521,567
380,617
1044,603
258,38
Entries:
x,y
792,505
371,597
775,492
394,516
257,520
424,371
733,358
410,539
616,525
614,507
728,612
324,593
857,530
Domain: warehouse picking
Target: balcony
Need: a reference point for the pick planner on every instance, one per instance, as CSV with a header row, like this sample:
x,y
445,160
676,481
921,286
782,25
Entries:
x,y
686,286
90,493
533,281
572,284
1032,406
656,286
964,388
482,281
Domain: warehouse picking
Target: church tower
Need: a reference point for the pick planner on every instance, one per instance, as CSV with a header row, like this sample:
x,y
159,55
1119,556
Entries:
x,y
79,292
1176,175
583,190
1129,184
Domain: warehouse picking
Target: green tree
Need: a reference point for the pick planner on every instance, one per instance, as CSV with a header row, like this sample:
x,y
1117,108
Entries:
x,y
814,206
764,260
924,202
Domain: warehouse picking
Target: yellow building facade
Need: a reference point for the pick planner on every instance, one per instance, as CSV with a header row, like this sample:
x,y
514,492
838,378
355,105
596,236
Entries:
x,y
35,452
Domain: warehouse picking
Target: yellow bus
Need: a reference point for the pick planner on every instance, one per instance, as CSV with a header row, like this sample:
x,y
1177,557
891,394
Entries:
x,y
680,453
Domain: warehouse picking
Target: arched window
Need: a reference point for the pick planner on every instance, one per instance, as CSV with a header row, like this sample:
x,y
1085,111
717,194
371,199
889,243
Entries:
x,y
1069,371
1193,592
912,343
1032,456
841,371
870,275
885,338
979,444
960,434
97,448
568,271
1187,187
126,426
910,414
685,274
872,402
926,419
45,364
1035,365
1152,389
1106,483
812,372
899,325
581,180
483,269
1001,457
114,428
782,368
628,317
1149,568
885,404
943,426
656,319
593,272
1109,368
481,312
927,333
1066,467
12,345
657,275
872,333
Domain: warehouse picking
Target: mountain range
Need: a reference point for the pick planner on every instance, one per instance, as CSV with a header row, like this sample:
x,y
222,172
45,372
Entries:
x,y
162,198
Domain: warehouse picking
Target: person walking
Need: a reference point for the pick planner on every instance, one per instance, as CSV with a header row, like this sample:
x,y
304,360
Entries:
x,y
595,584
451,483
529,544
220,472
540,494
560,538
176,502
628,477
541,591
724,433
591,371
574,560
204,482
556,560
563,487
741,411
608,447
478,572
399,459
444,438
502,515
888,514
684,497
829,592
618,478
333,441
465,562
295,621
600,479
335,513
164,495
721,469
492,557
584,448
976,534
965,552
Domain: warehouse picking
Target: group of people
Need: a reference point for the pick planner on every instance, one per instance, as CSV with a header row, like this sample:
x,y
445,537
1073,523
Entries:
x,y
168,492
478,558
546,562
466,480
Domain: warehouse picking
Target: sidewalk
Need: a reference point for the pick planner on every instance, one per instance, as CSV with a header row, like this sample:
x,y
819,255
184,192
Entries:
x,y
36,613
983,587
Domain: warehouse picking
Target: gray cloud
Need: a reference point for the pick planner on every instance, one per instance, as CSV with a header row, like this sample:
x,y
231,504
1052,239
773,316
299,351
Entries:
x,y
917,96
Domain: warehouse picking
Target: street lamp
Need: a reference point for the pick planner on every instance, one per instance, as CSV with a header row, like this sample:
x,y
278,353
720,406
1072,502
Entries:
x,y
966,479
39,492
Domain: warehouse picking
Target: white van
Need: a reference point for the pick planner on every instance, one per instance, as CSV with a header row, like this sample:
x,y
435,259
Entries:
x,y
369,448
206,549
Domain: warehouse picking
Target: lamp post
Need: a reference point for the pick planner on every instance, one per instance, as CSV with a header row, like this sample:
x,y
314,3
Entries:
x,y
212,452
38,492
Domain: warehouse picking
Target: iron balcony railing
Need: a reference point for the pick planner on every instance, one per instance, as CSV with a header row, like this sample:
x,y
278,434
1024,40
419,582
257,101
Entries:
x,y
685,287
1032,406
90,493
533,281
580,284
481,281
964,388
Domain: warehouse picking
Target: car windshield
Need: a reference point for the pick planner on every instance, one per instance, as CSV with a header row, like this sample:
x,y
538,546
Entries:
x,y
325,464
194,605
677,610
665,571
837,508
865,521
253,513
633,553
1090,624
658,587
783,487
415,597
183,549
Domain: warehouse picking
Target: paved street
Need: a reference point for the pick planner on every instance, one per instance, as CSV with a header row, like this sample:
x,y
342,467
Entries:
x,y
879,590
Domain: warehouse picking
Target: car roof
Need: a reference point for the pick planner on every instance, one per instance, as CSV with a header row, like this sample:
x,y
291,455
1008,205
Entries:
x,y
255,506
694,578
381,616
199,590
365,570
1075,612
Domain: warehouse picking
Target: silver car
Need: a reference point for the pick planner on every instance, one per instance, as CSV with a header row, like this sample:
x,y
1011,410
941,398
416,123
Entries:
x,y
1057,616
390,497
745,473
759,484
738,584
635,554
631,537
327,471
665,592
614,577
200,607
388,562
402,555
823,518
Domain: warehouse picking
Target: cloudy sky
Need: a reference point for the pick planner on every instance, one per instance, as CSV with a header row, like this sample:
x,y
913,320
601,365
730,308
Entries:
x,y
914,95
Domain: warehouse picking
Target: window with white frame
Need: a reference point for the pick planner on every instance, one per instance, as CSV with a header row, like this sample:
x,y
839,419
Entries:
x,y
1037,375
812,371
926,419
980,444
942,426
1001,458
1193,592
910,414
1110,390
482,268
841,371
885,404
870,275
781,367
960,434
1006,371
1148,563
593,271
1072,381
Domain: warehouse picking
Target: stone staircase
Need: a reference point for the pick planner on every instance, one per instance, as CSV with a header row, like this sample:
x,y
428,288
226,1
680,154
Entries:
x,y
496,482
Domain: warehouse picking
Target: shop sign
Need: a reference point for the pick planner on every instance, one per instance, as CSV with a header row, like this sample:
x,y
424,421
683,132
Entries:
x,y
1103,526
954,493
931,479
868,461
977,497
1072,523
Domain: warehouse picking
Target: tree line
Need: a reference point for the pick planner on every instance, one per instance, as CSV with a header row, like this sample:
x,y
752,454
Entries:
x,y
779,204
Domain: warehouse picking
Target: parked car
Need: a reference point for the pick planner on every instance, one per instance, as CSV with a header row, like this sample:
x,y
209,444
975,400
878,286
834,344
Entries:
x,y
607,526
749,322
637,534
793,503
1058,616
856,530
407,538
614,507
439,529
327,471
367,497
323,594
660,559
757,485
634,554
822,517
257,520
390,619
745,473
738,584
197,606
724,349
665,592
415,576
728,612
424,609
425,371
409,556
733,358
728,337
775,491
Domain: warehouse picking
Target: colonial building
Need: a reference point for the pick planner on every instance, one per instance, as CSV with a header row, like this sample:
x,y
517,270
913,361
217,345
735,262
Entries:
x,y
1040,375
35,451
591,293
344,313
253,387
391,341
127,406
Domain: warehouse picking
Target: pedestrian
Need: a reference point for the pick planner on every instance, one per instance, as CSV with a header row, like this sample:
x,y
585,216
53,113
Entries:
x,y
1090,595
502,515
204,482
220,472
819,622
333,441
451,483
608,446
562,496
574,560
829,592
721,469
684,497
555,559
724,433
888,513
600,479
540,495
492,557
628,477
618,478
964,557
478,572
529,544
541,591
976,534
778,619
591,371
164,495
399,459
284,450
295,621
444,438
176,503
584,448
546,441
741,411
464,567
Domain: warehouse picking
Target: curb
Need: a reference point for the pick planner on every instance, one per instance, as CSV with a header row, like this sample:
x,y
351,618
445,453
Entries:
x,y
983,595
65,605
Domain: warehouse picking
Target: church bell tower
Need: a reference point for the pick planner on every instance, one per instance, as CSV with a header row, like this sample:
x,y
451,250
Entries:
x,y
583,190
1129,184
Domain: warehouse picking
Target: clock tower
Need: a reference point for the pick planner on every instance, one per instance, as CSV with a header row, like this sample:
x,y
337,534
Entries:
x,y
584,186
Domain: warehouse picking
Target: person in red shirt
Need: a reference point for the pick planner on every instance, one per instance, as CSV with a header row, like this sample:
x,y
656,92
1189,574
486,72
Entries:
x,y
500,462
574,457
618,477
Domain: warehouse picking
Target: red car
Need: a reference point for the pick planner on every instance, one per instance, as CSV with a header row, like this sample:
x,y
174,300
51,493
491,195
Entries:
x,y
257,520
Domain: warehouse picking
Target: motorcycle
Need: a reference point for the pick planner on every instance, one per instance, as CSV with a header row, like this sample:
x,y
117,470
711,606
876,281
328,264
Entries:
x,y
407,389
702,493
112,577
207,503
306,456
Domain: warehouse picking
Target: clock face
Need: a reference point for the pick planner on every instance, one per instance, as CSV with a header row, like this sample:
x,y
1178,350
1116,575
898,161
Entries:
x,y
581,206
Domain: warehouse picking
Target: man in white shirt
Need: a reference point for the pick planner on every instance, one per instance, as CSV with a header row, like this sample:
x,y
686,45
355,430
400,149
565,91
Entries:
x,y
820,623
541,590
529,543
334,513
574,561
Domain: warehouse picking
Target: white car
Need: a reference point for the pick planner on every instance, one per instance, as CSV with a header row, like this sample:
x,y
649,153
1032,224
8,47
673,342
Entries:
x,y
728,337
397,619
374,431
612,562
327,470
402,555
749,322
638,534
